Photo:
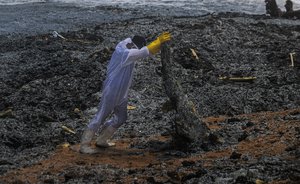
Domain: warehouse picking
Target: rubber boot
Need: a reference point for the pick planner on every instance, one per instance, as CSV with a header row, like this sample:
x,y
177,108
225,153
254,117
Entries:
x,y
86,139
105,135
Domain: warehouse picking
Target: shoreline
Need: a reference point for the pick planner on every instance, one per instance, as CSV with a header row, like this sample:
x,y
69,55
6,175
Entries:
x,y
42,18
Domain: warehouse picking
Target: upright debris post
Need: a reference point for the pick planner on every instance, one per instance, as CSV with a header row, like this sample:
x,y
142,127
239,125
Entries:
x,y
188,125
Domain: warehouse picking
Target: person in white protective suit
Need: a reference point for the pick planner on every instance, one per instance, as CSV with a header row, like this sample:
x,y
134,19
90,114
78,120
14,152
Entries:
x,y
115,89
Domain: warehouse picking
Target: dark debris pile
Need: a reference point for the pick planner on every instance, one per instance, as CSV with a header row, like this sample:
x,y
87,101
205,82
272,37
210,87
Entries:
x,y
47,82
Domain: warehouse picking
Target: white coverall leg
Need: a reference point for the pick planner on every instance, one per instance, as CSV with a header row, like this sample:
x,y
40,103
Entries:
x,y
119,117
104,110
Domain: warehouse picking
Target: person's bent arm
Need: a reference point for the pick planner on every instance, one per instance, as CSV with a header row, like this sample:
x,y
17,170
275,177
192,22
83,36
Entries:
x,y
151,49
136,54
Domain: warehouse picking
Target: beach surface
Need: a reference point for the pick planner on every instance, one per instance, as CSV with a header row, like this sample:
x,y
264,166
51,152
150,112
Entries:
x,y
49,82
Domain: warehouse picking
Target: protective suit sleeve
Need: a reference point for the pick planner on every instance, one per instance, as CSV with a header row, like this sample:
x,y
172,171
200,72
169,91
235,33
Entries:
x,y
136,54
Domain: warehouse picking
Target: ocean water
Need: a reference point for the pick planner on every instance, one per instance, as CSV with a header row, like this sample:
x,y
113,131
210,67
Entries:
x,y
247,6
13,2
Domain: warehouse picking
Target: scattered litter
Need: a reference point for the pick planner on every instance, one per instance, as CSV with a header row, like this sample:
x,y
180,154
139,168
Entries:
x,y
7,113
238,79
258,181
76,110
292,59
129,107
65,145
67,129
195,54
55,35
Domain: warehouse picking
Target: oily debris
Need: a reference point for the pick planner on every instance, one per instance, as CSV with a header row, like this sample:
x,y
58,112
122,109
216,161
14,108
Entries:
x,y
47,82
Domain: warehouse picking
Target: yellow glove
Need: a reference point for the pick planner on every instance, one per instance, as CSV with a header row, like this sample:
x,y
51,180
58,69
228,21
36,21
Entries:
x,y
154,46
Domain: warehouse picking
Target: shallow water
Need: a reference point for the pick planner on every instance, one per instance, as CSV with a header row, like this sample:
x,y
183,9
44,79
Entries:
x,y
204,6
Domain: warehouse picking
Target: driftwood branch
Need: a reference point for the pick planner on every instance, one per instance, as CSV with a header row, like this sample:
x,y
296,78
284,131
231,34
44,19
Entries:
x,y
292,14
188,124
274,11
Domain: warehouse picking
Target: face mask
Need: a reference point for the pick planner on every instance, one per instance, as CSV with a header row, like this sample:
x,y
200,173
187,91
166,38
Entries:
x,y
131,46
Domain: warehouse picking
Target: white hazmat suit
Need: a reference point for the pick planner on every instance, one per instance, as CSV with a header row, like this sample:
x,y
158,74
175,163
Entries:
x,y
115,89
116,86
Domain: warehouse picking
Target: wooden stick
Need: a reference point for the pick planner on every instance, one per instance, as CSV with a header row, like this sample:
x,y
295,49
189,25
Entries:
x,y
195,54
67,129
240,79
292,58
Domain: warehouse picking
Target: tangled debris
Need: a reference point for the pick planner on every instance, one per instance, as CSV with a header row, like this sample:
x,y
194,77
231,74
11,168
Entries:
x,y
48,82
